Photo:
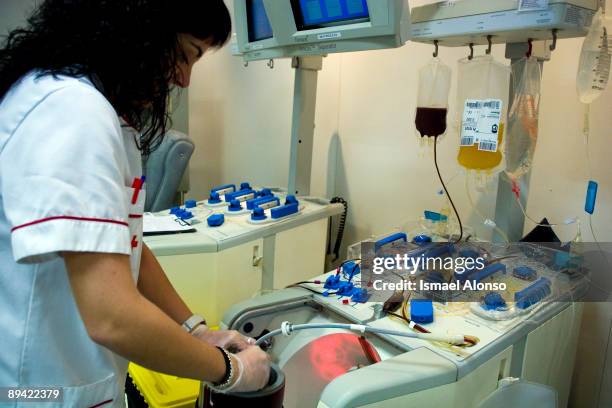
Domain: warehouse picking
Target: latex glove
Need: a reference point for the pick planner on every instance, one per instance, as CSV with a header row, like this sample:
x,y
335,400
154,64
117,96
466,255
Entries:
x,y
253,370
230,340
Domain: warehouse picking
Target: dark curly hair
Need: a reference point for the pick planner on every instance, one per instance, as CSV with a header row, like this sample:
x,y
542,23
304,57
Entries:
x,y
130,46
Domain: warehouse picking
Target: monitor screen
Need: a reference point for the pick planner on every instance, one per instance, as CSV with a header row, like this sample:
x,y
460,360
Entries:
x,y
257,19
311,14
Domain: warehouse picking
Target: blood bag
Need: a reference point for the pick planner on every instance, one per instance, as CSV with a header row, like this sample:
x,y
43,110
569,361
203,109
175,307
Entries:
x,y
432,103
522,133
482,101
594,67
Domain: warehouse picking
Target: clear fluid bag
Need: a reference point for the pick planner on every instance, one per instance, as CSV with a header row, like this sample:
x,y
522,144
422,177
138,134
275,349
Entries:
x,y
594,67
522,133
432,102
482,101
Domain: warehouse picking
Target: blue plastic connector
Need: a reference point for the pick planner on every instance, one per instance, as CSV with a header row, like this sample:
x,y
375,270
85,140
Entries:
x,y
360,295
435,217
175,210
533,294
591,197
259,214
345,289
235,206
191,204
215,220
264,202
214,198
223,190
493,301
290,199
284,211
185,215
266,192
245,186
524,273
421,311
332,282
400,236
421,239
350,269
242,195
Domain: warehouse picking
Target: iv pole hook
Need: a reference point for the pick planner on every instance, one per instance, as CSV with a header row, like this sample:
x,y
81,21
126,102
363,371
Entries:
x,y
553,46
435,54
471,56
490,41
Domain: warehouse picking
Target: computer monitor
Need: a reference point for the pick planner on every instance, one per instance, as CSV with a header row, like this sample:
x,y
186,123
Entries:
x,y
286,28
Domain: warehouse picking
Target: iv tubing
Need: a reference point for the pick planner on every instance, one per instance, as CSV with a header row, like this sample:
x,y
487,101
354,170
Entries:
x,y
287,328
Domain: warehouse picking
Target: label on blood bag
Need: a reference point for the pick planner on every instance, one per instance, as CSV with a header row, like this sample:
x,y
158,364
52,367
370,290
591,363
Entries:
x,y
481,119
531,5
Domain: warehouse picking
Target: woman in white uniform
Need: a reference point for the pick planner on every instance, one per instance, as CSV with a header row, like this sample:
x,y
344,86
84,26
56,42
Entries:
x,y
80,293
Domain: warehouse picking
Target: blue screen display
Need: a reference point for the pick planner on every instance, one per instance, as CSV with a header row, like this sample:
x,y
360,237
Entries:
x,y
259,24
321,12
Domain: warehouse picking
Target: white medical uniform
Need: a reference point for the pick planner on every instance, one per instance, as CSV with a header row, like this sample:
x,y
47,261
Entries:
x,y
66,171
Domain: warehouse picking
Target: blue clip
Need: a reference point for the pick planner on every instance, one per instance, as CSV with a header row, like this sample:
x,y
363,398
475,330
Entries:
x,y
591,197
400,236
345,289
493,301
332,282
191,204
223,190
175,210
258,214
350,269
435,217
421,240
290,199
215,220
284,211
533,293
421,311
235,206
214,198
185,215
256,202
243,195
360,296
245,186
266,192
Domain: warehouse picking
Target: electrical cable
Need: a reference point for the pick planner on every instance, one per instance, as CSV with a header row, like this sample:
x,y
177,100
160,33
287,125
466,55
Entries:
x,y
341,227
446,191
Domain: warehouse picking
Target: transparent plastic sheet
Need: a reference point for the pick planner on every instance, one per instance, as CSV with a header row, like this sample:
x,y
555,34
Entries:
x,y
432,99
522,133
595,58
482,101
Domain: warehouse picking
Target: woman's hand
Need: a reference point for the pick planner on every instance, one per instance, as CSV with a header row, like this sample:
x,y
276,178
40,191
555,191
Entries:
x,y
231,340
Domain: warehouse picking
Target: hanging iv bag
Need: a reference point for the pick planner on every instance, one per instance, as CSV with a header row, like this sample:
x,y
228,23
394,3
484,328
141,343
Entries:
x,y
432,102
522,133
594,67
482,101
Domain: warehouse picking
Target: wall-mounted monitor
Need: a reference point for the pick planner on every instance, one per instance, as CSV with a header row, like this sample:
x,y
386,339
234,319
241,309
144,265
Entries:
x,y
286,28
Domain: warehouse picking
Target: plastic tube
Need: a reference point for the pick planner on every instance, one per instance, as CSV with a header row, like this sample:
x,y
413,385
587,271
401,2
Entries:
x,y
287,328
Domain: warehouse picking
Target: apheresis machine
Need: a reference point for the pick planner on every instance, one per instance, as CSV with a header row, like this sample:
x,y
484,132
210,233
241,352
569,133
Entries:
x,y
427,317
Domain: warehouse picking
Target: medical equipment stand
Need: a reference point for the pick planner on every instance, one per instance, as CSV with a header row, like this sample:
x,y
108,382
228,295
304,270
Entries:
x,y
508,215
303,123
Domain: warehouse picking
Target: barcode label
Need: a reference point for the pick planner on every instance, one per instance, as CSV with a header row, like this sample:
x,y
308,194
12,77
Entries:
x,y
492,105
467,141
481,123
487,146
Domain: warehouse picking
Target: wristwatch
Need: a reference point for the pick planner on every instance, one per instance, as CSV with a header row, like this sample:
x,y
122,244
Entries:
x,y
194,321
